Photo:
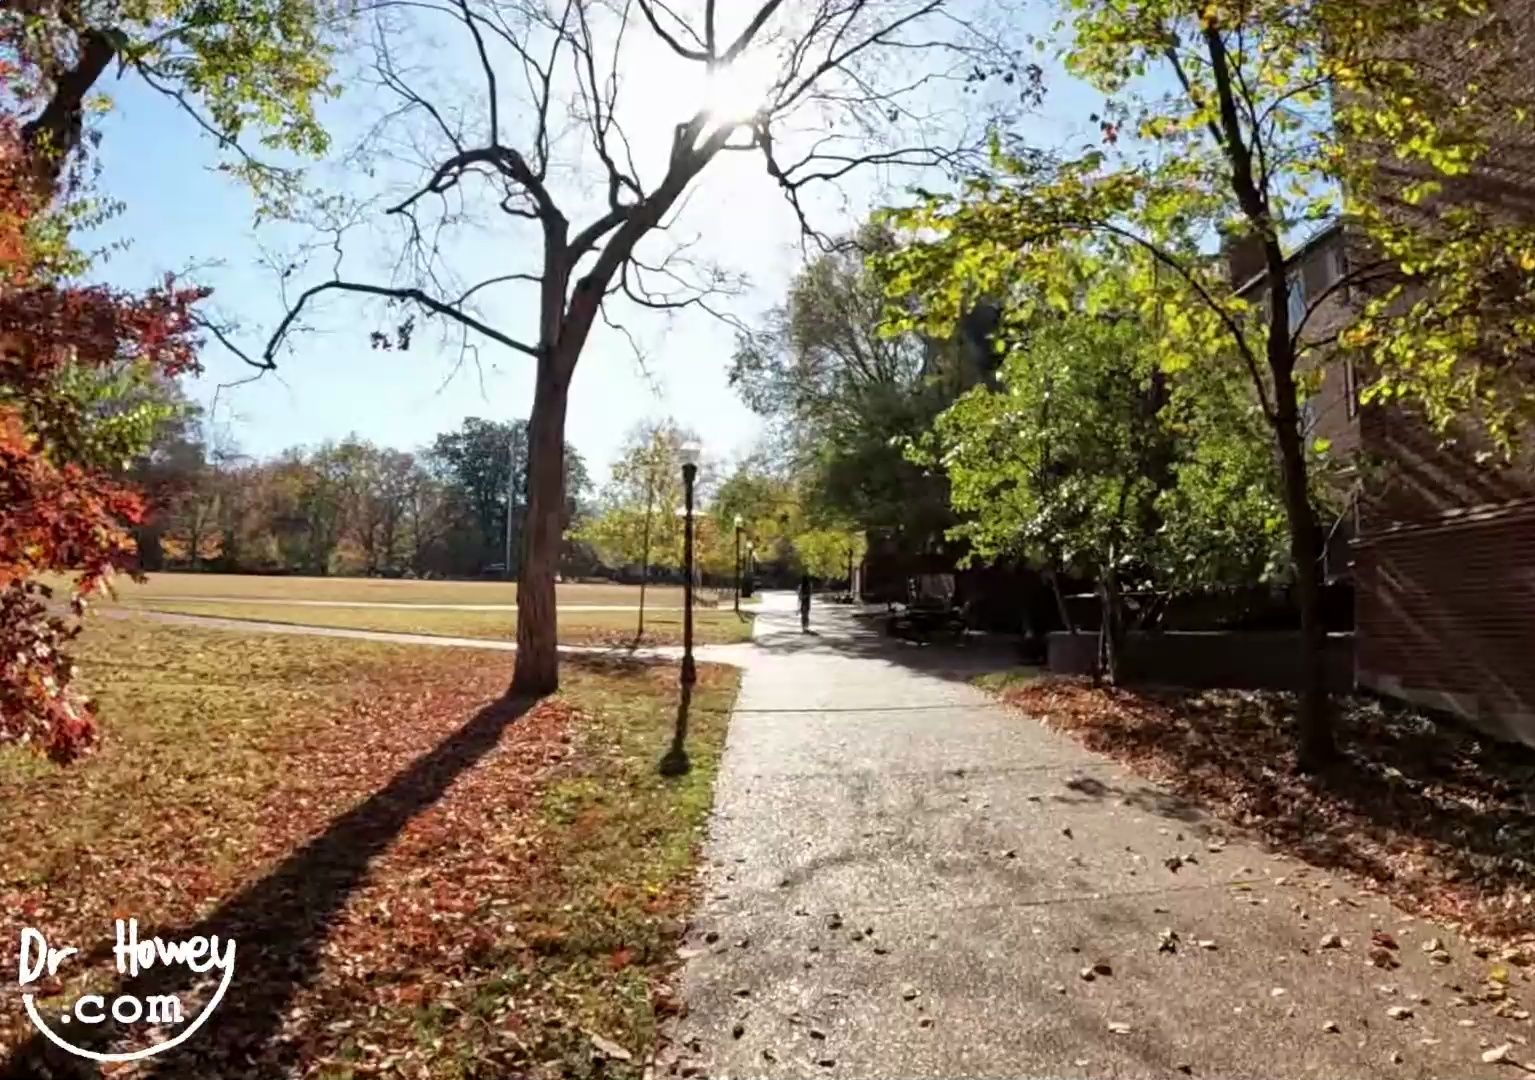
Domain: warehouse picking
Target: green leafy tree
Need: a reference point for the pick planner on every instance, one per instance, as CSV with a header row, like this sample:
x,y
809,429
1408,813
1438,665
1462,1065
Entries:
x,y
829,553
638,523
844,395
1252,121
768,503
488,459
1088,458
231,65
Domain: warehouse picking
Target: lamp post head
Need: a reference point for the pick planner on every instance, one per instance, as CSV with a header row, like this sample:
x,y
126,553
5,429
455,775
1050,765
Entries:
x,y
740,522
690,451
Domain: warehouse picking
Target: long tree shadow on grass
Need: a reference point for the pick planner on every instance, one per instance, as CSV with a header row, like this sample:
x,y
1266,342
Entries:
x,y
1428,808
280,923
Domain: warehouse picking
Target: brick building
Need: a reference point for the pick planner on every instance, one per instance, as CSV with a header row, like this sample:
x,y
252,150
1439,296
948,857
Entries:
x,y
1444,556
1436,536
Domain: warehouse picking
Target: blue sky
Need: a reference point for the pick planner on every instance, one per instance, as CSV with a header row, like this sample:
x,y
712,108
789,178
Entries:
x,y
179,212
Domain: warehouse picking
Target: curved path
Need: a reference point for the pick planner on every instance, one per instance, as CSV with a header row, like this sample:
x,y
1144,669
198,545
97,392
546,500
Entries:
x,y
904,878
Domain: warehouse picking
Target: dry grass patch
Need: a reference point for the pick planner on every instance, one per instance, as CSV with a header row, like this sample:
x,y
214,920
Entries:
x,y
576,627
174,586
424,880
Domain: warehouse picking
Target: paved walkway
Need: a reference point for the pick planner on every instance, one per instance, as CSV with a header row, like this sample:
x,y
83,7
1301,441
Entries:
x,y
905,879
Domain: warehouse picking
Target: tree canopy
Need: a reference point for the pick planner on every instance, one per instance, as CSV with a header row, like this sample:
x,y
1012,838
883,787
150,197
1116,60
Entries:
x,y
842,395
1089,459
1252,123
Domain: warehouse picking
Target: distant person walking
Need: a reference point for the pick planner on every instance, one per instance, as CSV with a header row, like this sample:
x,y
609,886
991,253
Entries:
x,y
804,603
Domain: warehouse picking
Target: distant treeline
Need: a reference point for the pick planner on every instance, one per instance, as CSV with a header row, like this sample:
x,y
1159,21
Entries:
x,y
347,507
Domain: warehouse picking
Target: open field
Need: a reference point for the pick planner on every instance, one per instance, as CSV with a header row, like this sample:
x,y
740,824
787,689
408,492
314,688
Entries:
x,y
422,880
172,586
577,626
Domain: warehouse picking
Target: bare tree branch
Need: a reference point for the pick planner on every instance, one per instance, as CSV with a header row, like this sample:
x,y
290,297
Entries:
x,y
437,307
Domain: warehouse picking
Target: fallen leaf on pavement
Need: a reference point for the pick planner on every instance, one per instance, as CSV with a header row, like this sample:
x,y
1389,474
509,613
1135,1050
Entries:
x,y
1382,958
1498,1054
608,1048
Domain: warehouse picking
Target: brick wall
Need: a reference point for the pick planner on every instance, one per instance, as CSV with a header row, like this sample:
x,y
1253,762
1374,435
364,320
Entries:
x,y
1446,616
1415,475
1445,563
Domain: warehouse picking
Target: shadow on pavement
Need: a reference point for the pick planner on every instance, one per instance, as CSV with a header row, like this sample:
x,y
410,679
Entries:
x,y
860,634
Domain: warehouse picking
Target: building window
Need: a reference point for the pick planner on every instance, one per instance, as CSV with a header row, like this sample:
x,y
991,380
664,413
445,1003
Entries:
x,y
1297,298
1350,387
1307,416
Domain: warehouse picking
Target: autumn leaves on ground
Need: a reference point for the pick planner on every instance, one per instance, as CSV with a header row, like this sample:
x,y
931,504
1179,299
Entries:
x,y
1438,818
421,877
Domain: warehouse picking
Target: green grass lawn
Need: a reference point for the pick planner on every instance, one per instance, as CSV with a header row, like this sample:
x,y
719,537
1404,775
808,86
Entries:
x,y
421,884
171,586
577,626
999,682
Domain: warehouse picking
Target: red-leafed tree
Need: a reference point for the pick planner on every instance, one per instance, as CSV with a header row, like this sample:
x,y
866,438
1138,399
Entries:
x,y
66,353
83,368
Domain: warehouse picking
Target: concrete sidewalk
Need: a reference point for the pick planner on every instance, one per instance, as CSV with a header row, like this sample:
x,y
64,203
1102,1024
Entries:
x,y
906,879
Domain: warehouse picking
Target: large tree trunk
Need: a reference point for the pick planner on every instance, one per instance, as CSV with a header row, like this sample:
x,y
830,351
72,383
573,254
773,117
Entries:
x,y
537,670
1316,739
52,135
151,553
1317,747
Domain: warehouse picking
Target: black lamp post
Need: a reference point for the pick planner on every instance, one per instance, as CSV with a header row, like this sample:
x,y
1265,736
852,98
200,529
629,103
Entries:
x,y
739,526
690,453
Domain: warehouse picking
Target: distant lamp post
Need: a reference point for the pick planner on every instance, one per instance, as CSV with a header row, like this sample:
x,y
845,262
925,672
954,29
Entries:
x,y
690,452
740,524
